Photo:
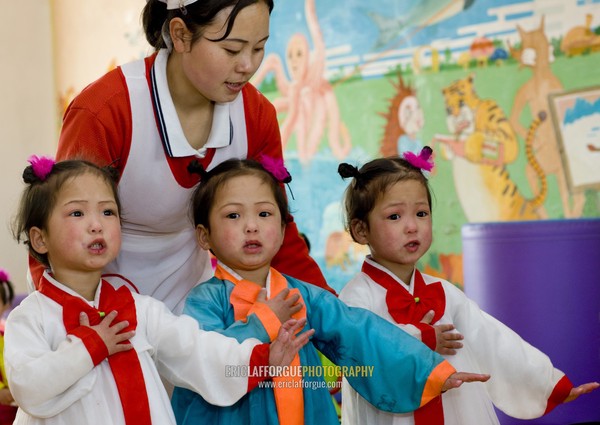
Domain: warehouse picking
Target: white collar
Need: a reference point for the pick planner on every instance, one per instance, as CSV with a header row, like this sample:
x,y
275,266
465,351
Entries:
x,y
70,291
172,134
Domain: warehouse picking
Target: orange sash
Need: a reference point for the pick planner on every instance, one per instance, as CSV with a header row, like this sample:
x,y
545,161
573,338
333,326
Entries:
x,y
287,390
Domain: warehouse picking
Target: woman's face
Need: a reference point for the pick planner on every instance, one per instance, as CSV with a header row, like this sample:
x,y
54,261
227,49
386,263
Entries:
x,y
219,70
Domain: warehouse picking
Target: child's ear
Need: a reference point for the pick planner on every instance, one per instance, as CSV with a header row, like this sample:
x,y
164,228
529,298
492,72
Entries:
x,y
203,237
37,240
359,231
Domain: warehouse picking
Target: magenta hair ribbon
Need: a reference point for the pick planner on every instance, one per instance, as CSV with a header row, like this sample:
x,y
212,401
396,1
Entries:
x,y
276,168
4,276
423,161
41,165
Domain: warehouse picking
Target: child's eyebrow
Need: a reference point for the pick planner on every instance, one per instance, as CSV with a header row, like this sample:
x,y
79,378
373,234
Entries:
x,y
86,201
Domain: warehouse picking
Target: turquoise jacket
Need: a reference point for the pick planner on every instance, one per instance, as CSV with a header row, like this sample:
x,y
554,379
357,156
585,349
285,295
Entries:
x,y
397,365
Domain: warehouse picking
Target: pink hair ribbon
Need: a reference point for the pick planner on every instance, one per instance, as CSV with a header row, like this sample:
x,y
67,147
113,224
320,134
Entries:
x,y
4,276
276,168
41,165
424,161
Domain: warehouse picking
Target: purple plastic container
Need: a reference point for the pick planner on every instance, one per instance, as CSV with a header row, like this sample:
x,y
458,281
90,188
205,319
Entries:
x,y
542,279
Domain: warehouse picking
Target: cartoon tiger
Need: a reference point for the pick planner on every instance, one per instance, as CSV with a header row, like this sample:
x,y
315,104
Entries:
x,y
481,145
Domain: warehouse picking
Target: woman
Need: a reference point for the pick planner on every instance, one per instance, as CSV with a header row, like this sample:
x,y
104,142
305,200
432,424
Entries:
x,y
159,118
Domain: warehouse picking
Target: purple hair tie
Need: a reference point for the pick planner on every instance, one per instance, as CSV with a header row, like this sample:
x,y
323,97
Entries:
x,y
276,168
422,161
4,276
41,165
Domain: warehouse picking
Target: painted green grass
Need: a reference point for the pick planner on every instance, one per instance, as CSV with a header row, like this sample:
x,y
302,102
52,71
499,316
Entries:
x,y
362,101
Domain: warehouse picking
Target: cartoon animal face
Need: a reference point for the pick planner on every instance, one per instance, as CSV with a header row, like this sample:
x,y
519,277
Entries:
x,y
461,101
458,95
535,48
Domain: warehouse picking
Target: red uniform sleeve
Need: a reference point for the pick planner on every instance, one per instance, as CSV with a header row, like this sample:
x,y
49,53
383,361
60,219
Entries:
x,y
97,124
259,359
264,138
93,342
561,391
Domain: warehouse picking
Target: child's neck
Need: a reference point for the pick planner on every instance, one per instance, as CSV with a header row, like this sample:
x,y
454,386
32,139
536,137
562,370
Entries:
x,y
84,283
259,278
255,276
403,272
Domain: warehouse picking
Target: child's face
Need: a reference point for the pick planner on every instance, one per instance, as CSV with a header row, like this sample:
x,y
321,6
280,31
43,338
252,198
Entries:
x,y
83,232
399,231
246,229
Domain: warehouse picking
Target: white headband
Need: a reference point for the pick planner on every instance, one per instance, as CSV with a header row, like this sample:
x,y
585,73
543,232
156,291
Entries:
x,y
176,4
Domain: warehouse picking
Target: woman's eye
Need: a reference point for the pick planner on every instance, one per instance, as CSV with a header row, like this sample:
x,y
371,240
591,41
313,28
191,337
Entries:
x,y
232,52
264,214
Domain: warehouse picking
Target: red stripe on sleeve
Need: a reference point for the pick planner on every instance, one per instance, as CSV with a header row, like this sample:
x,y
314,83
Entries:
x,y
559,394
258,358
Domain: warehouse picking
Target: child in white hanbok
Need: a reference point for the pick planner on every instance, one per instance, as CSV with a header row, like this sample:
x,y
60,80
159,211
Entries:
x,y
80,351
388,208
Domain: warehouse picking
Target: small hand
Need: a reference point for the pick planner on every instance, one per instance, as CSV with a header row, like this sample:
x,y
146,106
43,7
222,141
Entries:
x,y
283,304
446,340
110,334
456,379
582,389
287,344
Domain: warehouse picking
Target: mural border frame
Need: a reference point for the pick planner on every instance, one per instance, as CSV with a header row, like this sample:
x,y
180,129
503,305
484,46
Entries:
x,y
556,102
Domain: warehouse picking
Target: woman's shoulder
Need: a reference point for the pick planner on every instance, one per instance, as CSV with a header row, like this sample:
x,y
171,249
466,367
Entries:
x,y
96,94
108,91
255,100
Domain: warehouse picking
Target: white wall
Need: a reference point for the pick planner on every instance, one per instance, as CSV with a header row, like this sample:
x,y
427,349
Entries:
x,y
28,117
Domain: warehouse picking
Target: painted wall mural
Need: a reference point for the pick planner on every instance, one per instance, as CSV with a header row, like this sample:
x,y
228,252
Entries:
x,y
92,37
481,81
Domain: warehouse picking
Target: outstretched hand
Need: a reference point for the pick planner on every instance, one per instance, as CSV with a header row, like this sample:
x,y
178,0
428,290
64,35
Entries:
x,y
456,379
582,389
446,341
110,334
287,344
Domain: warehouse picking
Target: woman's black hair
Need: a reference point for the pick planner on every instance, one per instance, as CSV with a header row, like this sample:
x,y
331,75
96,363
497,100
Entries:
x,y
196,16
